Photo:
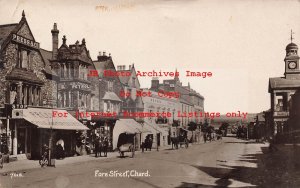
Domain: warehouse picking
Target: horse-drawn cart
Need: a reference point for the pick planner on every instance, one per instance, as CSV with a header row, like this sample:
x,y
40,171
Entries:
x,y
180,138
126,143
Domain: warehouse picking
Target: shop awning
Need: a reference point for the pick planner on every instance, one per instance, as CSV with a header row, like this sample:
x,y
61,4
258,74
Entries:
x,y
49,118
129,126
111,96
156,129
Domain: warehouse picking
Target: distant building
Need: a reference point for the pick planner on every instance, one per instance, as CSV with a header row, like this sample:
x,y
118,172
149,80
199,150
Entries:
x,y
132,96
189,99
109,99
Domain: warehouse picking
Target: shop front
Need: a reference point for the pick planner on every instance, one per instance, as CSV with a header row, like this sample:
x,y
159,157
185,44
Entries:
x,y
103,128
31,128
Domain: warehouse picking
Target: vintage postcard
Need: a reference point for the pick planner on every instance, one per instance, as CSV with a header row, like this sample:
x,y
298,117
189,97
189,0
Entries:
x,y
149,93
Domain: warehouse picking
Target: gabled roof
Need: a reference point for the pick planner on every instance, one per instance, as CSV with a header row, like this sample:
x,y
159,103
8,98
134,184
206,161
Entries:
x,y
111,96
5,30
104,64
8,29
74,52
283,83
124,79
47,55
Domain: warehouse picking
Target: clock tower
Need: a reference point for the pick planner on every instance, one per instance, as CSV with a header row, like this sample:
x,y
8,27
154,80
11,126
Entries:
x,y
291,59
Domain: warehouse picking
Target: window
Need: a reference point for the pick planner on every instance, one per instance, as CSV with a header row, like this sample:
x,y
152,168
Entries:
x,y
110,85
279,106
62,71
23,59
105,107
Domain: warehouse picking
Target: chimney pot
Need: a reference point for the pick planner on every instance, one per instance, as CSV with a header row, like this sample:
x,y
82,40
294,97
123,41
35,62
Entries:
x,y
55,41
104,53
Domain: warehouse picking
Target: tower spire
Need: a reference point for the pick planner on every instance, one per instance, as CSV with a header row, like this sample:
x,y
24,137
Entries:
x,y
292,36
175,78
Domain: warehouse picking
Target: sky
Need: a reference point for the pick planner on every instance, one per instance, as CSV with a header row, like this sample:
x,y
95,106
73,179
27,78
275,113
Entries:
x,y
241,42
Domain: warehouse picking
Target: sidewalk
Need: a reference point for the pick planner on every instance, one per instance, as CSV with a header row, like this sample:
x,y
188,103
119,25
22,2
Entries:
x,y
20,165
32,164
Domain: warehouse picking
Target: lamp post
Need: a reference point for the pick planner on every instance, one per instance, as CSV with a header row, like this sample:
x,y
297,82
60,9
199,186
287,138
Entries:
x,y
156,140
50,139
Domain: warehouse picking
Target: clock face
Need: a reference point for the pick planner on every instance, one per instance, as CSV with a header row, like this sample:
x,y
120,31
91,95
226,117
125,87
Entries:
x,y
292,65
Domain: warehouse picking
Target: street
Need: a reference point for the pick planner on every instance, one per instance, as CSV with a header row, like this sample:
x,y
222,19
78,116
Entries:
x,y
230,162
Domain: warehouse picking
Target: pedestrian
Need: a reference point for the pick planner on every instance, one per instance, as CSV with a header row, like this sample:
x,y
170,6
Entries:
x,y
150,143
143,146
60,149
272,146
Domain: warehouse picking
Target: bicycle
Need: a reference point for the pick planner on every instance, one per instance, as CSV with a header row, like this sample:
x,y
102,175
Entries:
x,y
44,158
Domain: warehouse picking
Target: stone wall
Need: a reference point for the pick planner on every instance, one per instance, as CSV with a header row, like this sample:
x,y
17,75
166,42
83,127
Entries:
x,y
9,60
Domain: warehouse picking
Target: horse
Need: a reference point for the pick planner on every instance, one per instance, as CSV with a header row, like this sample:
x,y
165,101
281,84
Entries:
x,y
148,144
175,142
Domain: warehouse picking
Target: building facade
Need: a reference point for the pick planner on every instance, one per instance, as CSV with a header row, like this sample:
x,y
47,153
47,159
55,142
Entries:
x,y
30,95
281,90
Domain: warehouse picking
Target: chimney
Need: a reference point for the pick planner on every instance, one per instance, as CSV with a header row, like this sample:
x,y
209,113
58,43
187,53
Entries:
x,y
154,83
54,32
104,53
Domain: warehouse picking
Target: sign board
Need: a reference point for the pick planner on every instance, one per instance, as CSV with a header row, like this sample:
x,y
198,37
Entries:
x,y
25,41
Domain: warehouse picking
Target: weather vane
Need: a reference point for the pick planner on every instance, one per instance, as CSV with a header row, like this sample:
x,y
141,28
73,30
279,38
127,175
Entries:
x,y
292,36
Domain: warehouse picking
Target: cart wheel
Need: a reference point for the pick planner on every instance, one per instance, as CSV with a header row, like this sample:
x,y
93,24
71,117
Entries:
x,y
132,155
43,162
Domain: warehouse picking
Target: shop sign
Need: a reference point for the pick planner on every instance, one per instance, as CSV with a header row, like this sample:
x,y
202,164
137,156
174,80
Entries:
x,y
27,42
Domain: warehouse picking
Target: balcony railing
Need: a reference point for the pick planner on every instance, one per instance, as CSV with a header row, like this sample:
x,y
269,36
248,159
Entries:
x,y
281,113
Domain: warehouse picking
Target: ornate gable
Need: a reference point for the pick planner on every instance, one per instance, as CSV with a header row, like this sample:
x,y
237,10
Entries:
x,y
25,32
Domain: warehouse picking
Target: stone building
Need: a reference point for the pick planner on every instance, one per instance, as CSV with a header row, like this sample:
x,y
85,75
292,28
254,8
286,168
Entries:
x,y
281,90
133,100
71,64
109,98
29,92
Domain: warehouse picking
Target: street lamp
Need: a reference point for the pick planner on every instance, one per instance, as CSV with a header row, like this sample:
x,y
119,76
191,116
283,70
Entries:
x,y
50,139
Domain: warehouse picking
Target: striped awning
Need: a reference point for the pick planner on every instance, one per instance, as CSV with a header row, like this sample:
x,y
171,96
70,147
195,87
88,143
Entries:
x,y
52,118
